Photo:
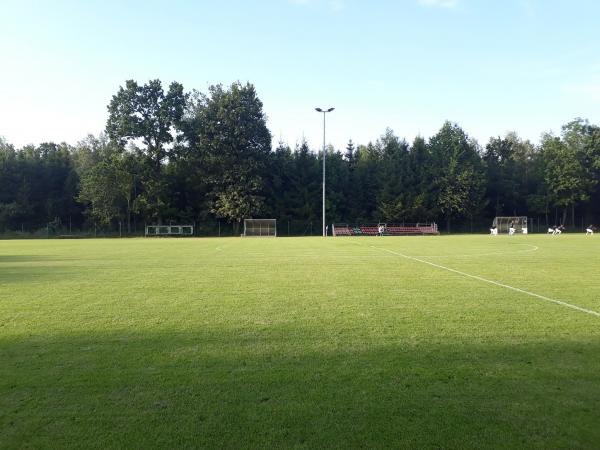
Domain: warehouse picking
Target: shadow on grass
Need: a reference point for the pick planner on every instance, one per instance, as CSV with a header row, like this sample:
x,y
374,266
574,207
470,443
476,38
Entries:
x,y
29,258
232,389
23,268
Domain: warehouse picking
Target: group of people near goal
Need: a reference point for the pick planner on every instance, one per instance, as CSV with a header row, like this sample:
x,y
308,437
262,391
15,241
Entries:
x,y
555,230
513,225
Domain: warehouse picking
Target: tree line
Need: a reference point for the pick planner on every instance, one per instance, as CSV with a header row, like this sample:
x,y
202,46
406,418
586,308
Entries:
x,y
173,156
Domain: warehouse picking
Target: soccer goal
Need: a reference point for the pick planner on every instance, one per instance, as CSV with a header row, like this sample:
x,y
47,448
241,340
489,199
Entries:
x,y
260,227
169,230
503,224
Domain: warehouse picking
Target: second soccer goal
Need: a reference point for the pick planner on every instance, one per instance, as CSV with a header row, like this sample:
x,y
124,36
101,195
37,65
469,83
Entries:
x,y
260,227
504,224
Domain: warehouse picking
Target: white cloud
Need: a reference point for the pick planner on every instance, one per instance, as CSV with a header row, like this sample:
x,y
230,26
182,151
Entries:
x,y
438,3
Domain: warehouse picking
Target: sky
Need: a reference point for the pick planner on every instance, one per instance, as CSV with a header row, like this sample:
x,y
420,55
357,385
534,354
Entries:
x,y
491,66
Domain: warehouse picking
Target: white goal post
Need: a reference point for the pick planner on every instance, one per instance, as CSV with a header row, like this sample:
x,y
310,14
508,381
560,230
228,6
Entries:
x,y
169,230
260,228
503,224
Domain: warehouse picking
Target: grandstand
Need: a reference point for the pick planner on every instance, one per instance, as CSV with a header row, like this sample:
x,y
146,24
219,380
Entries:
x,y
344,229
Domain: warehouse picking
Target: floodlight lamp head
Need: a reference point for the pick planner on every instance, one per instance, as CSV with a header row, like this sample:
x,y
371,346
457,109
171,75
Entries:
x,y
318,110
330,109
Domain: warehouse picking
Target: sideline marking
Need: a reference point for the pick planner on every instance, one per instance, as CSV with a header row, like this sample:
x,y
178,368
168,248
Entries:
x,y
485,280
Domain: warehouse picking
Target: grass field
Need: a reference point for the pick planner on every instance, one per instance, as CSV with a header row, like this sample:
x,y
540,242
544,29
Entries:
x,y
300,343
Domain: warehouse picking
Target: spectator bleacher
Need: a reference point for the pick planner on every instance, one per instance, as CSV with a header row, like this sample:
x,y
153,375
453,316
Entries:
x,y
369,230
344,229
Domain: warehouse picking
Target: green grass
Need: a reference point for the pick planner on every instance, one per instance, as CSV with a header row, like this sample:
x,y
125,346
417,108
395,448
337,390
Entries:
x,y
299,343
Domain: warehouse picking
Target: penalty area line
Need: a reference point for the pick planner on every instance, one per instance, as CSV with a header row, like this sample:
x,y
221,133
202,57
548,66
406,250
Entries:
x,y
485,280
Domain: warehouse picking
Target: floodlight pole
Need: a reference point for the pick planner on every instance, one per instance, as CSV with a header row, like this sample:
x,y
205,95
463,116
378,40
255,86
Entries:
x,y
324,111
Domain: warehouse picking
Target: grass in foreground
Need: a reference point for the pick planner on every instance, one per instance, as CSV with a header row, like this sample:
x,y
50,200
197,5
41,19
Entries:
x,y
299,343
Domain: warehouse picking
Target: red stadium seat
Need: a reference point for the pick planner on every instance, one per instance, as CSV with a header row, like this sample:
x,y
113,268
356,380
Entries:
x,y
390,230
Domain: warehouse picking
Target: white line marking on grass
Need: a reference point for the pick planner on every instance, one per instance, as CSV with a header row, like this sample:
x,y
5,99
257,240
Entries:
x,y
485,280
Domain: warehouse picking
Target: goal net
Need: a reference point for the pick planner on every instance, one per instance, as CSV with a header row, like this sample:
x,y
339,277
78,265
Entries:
x,y
169,230
260,227
503,224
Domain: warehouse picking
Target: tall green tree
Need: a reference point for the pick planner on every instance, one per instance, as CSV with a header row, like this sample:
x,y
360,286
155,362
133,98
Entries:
x,y
349,155
393,200
305,184
278,183
234,143
107,188
570,163
418,183
366,182
146,115
458,177
338,172
508,164
9,180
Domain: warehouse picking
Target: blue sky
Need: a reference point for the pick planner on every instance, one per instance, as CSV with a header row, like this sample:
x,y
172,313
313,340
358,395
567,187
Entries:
x,y
491,66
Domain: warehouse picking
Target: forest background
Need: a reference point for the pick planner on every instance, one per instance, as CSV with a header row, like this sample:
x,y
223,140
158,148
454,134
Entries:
x,y
209,159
